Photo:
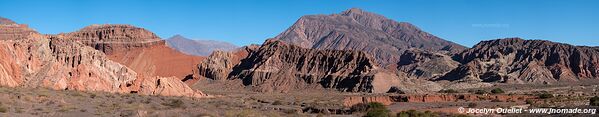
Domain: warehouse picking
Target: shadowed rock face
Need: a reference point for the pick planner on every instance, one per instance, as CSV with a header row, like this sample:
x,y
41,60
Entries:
x,y
355,29
198,47
514,60
279,67
427,65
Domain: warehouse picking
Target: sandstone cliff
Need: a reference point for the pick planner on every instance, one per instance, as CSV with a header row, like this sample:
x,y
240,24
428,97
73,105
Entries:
x,y
137,48
425,65
52,61
9,30
514,60
359,30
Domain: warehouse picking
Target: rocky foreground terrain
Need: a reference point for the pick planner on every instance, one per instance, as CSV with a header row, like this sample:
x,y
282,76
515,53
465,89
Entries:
x,y
324,65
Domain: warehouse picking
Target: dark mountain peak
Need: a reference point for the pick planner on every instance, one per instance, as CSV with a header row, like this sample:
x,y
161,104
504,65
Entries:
x,y
6,21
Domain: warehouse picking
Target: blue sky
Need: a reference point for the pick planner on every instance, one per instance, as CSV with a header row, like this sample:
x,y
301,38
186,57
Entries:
x,y
252,21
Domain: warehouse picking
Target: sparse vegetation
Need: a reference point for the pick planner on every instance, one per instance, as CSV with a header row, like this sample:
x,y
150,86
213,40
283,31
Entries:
x,y
480,92
174,103
545,95
376,109
472,105
414,113
448,91
278,102
497,91
594,101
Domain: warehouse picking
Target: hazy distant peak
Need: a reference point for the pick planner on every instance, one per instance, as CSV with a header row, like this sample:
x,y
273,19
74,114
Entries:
x,y
198,47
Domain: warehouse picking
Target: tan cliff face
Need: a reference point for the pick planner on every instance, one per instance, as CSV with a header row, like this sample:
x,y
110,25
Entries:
x,y
51,61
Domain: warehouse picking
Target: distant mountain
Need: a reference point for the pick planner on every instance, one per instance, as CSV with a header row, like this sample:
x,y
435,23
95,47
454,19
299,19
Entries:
x,y
6,21
198,47
356,29
515,60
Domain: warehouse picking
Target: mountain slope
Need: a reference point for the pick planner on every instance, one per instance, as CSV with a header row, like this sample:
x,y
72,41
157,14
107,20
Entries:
x,y
514,60
355,29
198,47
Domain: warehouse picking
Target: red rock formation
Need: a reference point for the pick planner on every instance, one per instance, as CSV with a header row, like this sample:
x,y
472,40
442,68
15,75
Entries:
x,y
10,30
63,64
137,48
515,60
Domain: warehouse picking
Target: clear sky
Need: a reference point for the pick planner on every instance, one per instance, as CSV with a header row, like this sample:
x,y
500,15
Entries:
x,y
252,21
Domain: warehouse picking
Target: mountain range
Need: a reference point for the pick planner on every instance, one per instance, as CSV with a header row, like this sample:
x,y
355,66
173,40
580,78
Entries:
x,y
352,51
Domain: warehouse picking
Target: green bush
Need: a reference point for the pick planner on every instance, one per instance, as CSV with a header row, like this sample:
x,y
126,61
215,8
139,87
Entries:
x,y
497,91
594,101
376,109
448,91
545,95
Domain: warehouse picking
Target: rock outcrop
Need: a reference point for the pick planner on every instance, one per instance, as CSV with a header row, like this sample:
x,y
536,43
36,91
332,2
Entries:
x,y
514,60
279,67
56,62
137,48
359,30
426,65
198,47
9,30
219,64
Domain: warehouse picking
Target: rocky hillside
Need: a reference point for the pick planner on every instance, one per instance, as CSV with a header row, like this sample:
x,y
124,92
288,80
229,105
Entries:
x,y
137,48
514,60
280,67
13,31
198,47
52,61
356,29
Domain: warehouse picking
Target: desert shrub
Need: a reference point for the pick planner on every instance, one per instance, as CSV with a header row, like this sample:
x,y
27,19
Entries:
x,y
92,95
545,95
472,105
3,109
497,91
361,107
376,109
480,92
448,91
277,103
594,101
395,90
174,103
414,113
529,102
